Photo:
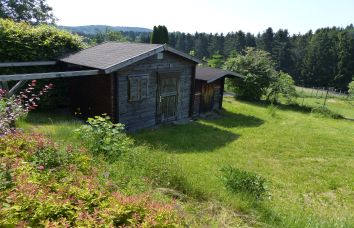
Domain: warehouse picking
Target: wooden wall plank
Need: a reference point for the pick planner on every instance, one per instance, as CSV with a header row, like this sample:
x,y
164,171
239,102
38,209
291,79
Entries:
x,y
24,64
64,74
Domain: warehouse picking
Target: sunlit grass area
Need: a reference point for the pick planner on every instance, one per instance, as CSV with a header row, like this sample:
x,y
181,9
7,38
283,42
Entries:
x,y
307,161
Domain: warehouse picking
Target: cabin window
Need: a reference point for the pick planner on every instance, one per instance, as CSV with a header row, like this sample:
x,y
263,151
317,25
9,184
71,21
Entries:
x,y
138,87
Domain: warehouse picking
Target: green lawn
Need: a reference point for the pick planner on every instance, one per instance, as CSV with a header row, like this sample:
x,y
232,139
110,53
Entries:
x,y
308,161
340,104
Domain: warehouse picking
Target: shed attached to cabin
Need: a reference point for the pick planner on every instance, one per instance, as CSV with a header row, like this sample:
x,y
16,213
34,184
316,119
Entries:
x,y
209,88
139,85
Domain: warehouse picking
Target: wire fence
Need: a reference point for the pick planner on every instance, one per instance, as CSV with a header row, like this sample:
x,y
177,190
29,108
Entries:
x,y
336,100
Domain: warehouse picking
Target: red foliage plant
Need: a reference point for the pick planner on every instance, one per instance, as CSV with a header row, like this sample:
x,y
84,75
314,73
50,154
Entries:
x,y
14,107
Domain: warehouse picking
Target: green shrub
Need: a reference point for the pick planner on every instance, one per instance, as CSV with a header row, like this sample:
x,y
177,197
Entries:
x,y
351,88
66,196
101,136
258,70
49,156
326,112
5,177
237,181
283,85
24,42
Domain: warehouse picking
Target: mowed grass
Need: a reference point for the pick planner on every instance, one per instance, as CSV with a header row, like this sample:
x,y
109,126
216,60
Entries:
x,y
338,103
308,161
59,127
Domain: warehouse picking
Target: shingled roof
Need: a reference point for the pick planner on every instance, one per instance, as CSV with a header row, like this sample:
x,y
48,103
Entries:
x,y
210,74
111,56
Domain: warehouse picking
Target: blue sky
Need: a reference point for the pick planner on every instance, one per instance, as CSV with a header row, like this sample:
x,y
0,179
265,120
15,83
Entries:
x,y
298,16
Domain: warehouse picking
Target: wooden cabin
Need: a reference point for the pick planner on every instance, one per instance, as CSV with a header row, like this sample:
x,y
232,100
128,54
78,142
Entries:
x,y
139,85
209,88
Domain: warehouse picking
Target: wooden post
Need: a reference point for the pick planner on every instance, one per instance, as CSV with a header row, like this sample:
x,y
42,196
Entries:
x,y
311,92
324,103
4,85
316,92
17,86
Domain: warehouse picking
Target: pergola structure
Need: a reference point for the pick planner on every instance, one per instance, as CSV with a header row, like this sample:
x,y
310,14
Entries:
x,y
23,78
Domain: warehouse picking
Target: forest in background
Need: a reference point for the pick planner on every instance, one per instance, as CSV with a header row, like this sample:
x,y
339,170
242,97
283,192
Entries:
x,y
324,58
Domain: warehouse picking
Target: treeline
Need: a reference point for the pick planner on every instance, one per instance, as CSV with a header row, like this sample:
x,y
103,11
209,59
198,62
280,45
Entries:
x,y
324,58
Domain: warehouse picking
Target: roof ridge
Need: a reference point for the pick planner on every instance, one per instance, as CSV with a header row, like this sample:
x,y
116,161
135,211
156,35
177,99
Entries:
x,y
105,42
138,55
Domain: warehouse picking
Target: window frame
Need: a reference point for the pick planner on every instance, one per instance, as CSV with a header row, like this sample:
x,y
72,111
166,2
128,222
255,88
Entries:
x,y
140,94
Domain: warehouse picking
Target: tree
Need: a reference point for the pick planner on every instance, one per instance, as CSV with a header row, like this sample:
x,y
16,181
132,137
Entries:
x,y
154,36
31,11
281,50
266,40
283,85
258,70
320,61
216,60
351,88
159,35
345,58
109,35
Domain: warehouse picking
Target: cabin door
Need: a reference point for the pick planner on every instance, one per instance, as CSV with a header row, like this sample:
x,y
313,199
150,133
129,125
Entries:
x,y
167,98
208,97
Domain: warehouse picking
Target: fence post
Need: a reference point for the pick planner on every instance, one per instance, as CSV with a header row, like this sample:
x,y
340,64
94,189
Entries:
x,y
324,103
303,96
316,92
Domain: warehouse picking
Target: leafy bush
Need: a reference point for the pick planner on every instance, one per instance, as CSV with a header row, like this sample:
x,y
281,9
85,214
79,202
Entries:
x,y
50,156
283,85
101,136
24,42
237,180
326,112
69,195
258,69
351,88
5,177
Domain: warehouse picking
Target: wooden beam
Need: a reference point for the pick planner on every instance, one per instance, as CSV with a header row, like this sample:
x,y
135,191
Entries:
x,y
16,87
65,74
24,64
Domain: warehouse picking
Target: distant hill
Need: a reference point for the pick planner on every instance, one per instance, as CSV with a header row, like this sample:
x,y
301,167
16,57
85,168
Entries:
x,y
93,29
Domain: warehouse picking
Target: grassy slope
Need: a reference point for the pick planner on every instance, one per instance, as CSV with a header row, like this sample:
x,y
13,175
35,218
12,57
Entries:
x,y
308,161
337,103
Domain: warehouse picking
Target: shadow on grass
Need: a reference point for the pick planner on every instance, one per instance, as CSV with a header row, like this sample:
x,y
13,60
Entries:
x,y
230,120
193,137
285,107
40,118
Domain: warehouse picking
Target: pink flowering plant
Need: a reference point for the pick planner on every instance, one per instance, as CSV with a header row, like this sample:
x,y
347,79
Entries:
x,y
14,107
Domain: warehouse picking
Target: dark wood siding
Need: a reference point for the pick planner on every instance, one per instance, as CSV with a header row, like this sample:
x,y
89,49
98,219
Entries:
x,y
92,95
208,96
143,113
